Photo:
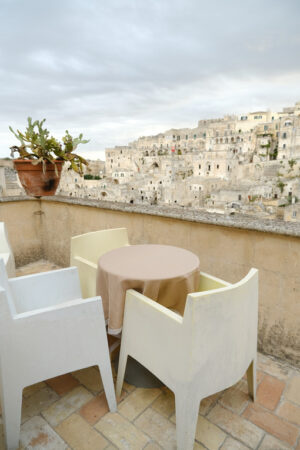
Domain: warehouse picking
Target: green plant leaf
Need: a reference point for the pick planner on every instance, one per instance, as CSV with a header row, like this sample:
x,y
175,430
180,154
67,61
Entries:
x,y
36,143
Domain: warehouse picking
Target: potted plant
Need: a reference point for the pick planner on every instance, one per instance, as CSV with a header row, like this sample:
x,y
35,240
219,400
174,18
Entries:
x,y
42,157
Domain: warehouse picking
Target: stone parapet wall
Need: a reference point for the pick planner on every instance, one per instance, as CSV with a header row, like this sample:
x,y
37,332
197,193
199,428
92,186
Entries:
x,y
227,247
243,221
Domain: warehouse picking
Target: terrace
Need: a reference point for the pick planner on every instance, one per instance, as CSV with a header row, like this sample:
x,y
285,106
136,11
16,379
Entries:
x,y
71,411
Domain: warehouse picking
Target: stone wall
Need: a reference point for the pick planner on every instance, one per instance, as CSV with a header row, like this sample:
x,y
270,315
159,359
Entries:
x,y
24,225
227,247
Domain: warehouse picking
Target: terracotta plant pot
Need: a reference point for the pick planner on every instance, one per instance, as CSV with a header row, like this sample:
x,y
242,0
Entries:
x,y
35,182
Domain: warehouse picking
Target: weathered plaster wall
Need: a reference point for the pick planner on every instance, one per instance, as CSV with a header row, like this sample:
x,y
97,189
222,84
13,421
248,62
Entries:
x,y
224,251
24,225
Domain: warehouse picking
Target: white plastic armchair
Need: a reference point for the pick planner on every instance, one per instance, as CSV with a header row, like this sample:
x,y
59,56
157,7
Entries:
x,y
87,248
46,330
207,350
6,252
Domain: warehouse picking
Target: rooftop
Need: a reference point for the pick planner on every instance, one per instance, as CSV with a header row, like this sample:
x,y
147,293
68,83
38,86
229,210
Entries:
x,y
70,411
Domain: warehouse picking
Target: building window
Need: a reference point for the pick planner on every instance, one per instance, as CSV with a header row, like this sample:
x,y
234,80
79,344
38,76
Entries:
x,y
266,127
284,136
199,166
217,166
208,167
186,137
240,197
228,168
294,214
195,136
284,146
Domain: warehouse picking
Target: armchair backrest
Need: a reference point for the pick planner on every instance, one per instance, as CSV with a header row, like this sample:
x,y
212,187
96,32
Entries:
x,y
92,245
6,249
7,305
221,331
4,242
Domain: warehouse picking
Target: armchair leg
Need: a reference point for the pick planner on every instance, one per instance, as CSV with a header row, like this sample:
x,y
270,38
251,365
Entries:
x,y
107,380
187,409
121,372
251,378
12,404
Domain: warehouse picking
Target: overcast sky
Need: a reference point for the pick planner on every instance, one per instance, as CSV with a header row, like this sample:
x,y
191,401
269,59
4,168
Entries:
x,y
119,69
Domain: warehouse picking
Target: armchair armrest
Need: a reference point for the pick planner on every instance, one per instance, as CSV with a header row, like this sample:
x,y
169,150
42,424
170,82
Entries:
x,y
78,323
147,317
136,300
87,274
79,261
45,289
151,333
78,306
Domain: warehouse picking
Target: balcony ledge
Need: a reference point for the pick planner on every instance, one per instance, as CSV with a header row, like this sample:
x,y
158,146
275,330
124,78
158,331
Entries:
x,y
245,222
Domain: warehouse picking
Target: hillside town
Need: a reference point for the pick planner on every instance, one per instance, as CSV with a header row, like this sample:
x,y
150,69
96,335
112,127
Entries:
x,y
247,164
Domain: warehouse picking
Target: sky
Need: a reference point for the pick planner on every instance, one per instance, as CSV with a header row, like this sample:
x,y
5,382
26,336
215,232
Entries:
x,y
116,70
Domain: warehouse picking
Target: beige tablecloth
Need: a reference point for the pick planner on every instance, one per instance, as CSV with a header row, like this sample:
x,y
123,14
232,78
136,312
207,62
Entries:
x,y
163,273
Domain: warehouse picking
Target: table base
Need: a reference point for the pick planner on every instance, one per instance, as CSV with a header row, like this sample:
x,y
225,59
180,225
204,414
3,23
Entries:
x,y
137,375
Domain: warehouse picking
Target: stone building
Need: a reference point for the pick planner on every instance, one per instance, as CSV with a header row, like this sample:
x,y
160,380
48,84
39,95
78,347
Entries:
x,y
246,159
9,181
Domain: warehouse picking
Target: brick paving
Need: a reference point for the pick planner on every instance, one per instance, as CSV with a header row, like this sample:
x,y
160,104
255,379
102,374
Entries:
x,y
71,412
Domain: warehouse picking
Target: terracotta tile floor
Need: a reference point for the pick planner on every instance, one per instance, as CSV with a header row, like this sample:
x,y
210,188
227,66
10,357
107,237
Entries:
x,y
70,412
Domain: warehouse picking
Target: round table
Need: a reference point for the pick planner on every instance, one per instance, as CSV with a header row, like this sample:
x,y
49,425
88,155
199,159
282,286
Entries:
x,y
163,273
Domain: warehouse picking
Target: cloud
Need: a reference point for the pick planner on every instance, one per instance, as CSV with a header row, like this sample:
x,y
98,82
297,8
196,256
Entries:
x,y
124,68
